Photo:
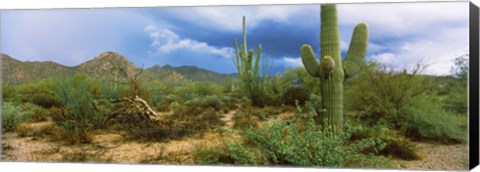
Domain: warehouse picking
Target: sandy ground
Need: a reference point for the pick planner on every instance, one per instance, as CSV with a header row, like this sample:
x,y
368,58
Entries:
x,y
113,148
439,157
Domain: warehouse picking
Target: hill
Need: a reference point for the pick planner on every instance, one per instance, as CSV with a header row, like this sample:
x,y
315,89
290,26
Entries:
x,y
105,66
15,71
191,73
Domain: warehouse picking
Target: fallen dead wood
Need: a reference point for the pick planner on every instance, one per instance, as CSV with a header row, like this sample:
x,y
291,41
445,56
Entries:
x,y
133,106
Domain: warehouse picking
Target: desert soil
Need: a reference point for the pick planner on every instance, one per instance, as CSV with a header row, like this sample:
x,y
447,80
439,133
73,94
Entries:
x,y
113,148
439,157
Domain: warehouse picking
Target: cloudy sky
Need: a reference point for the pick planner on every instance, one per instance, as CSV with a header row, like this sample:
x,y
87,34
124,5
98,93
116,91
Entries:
x,y
402,34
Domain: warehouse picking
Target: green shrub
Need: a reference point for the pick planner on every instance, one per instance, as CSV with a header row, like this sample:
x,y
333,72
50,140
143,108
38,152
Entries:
x,y
243,119
299,143
41,93
14,114
213,101
393,143
8,91
456,100
79,112
401,101
430,122
197,89
295,93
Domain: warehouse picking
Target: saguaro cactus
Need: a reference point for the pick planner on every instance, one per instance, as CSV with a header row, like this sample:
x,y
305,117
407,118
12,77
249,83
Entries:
x,y
249,69
331,71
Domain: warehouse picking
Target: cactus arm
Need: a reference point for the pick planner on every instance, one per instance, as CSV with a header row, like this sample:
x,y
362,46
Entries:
x,y
256,69
250,59
355,58
244,36
309,60
237,55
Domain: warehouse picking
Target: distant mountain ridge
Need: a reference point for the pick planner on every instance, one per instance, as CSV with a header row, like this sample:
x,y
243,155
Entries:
x,y
102,67
15,71
192,73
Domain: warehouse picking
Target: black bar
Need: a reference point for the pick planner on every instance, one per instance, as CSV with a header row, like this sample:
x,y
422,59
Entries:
x,y
473,87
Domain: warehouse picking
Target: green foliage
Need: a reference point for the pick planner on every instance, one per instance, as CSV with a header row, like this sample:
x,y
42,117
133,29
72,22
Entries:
x,y
402,101
299,142
41,93
200,89
300,76
296,93
460,69
79,112
231,85
245,118
15,113
213,101
8,91
250,71
456,99
428,121
330,70
393,143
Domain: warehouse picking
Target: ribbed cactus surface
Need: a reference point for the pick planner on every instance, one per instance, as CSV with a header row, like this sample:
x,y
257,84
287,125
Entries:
x,y
331,70
248,67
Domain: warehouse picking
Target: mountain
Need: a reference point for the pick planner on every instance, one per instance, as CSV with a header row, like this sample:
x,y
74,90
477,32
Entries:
x,y
104,66
194,73
157,72
15,71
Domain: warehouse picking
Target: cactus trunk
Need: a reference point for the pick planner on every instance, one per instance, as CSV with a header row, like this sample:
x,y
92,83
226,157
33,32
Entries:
x,y
330,70
331,84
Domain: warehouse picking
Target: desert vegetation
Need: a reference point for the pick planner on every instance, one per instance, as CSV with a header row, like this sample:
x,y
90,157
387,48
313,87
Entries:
x,y
331,113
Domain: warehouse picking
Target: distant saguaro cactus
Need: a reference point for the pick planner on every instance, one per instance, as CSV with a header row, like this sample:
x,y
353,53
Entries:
x,y
330,70
249,69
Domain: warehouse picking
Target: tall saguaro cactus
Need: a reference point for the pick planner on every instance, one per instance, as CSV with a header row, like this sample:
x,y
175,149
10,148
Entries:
x,y
249,69
331,71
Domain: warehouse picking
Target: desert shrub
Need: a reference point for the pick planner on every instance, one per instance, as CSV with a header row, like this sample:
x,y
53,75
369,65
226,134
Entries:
x,y
8,91
79,112
171,98
296,93
197,89
242,119
263,113
213,101
456,99
174,106
427,121
300,77
401,101
41,93
393,142
109,90
299,143
216,102
315,101
185,121
231,85
14,113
